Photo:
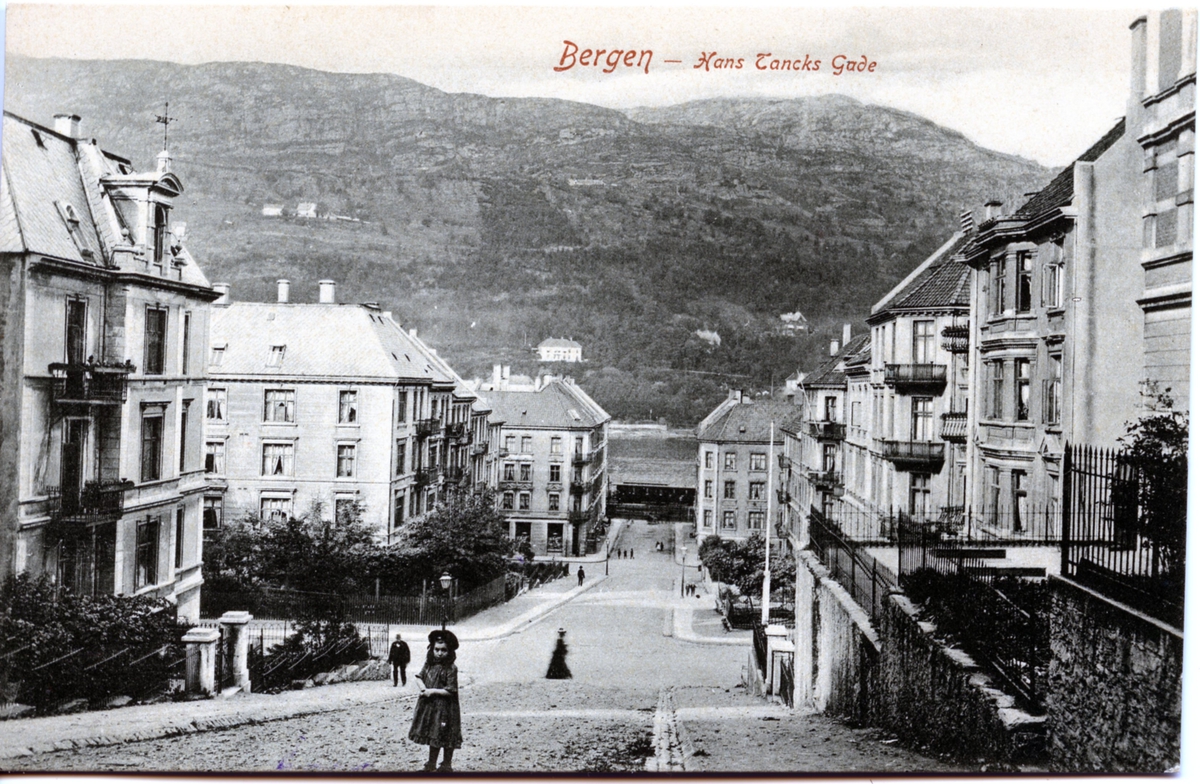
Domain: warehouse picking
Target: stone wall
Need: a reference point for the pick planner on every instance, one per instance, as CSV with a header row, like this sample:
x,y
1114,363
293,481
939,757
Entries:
x,y
1114,692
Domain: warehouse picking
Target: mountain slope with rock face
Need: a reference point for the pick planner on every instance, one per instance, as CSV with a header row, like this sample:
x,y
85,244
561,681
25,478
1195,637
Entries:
x,y
492,223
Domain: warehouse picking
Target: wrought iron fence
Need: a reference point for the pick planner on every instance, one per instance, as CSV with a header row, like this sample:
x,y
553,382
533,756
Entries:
x,y
787,683
867,580
1124,526
760,646
998,616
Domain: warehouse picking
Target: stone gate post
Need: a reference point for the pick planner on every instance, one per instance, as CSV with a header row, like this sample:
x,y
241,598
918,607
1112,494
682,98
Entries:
x,y
201,660
237,640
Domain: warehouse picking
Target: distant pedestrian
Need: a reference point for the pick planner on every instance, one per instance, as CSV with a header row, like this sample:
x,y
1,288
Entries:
x,y
558,659
579,574
437,722
399,657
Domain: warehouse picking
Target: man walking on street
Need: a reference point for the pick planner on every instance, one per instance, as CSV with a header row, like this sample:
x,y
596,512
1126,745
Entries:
x,y
399,657
579,574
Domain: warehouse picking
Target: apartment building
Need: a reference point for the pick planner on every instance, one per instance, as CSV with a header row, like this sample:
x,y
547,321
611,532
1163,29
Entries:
x,y
104,320
552,458
328,403
733,477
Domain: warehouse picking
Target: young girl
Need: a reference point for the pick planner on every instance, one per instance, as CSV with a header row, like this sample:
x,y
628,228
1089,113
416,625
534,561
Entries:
x,y
436,721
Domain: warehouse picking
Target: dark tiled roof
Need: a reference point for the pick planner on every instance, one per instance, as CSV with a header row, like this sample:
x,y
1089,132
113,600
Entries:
x,y
556,405
943,283
831,373
748,422
1061,189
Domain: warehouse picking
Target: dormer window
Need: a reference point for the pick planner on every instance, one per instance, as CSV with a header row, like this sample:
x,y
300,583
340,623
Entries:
x,y
160,233
71,218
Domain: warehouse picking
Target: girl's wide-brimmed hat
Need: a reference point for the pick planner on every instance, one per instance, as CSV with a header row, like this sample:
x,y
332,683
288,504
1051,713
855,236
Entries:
x,y
444,635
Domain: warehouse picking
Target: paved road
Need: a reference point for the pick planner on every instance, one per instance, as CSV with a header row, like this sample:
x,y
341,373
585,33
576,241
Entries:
x,y
604,719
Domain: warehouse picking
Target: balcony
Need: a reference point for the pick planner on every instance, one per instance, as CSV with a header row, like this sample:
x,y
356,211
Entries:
x,y
784,462
95,502
465,438
914,455
502,452
578,518
954,427
580,459
925,377
427,476
455,429
90,383
516,484
829,430
578,488
825,480
454,474
956,338
480,448
426,427
784,497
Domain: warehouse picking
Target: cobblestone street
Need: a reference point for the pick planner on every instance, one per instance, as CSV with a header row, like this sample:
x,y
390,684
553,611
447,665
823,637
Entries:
x,y
604,719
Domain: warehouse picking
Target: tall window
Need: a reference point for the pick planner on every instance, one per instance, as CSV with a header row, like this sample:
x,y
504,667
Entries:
x,y
214,405
510,444
1052,275
155,353
526,444
347,407
923,344
1024,282
758,461
830,409
214,457
160,233
277,459
185,360
279,405
828,457
708,488
918,497
992,488
506,501
152,431
731,461
214,512
510,472
183,433
275,358
579,445
708,459
146,556
922,419
996,393
755,520
552,502
999,280
179,528
398,510
1020,501
555,472
523,502
275,510
402,406
1022,371
345,461
757,491
730,488
526,472
708,519
76,331
728,521
401,456
1052,405
556,445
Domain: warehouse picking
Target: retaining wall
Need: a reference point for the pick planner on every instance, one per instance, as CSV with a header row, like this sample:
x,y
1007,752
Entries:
x,y
1114,692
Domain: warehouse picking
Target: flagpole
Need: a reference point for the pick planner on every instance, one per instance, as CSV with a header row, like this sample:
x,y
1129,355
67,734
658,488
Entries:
x,y
766,597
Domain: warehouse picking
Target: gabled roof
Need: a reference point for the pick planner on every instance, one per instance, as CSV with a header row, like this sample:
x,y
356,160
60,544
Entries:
x,y
937,283
321,340
559,405
832,374
747,422
558,343
1061,189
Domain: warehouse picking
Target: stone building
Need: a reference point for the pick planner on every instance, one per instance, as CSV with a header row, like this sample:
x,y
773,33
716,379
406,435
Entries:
x,y
552,459
559,350
327,403
104,321
735,449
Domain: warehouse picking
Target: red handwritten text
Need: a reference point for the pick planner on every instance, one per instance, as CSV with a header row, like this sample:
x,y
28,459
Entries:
x,y
629,58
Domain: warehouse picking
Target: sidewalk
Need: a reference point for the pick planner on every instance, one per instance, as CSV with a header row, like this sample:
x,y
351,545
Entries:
x,y
23,737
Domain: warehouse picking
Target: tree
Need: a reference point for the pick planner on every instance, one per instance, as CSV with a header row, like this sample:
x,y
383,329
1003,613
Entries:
x,y
741,564
464,536
1156,456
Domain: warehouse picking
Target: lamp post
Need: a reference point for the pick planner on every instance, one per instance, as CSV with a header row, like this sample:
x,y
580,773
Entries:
x,y
446,581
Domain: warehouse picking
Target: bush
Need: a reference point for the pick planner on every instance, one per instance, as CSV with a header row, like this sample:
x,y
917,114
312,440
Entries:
x,y
62,646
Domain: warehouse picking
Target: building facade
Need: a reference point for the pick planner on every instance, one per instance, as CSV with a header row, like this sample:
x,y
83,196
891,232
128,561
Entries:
x,y
559,350
331,404
734,458
105,332
552,463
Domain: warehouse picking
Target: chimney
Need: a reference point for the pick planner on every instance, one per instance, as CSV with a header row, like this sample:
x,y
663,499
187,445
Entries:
x,y
833,347
845,334
387,314
67,125
1137,70
992,207
326,288
223,290
966,222
495,377
412,331
285,286
504,372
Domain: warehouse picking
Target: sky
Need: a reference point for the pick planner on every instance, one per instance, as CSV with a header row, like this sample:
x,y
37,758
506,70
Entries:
x,y
1040,84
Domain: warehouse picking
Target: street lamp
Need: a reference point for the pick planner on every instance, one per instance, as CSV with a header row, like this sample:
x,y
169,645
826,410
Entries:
x,y
446,581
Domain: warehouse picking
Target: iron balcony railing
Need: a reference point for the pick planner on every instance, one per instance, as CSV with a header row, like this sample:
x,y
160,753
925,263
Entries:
x,y
455,429
925,375
913,455
830,430
426,427
580,458
516,484
502,452
90,383
577,518
95,502
783,496
479,448
454,474
427,476
825,480
578,488
954,427
783,461
956,338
